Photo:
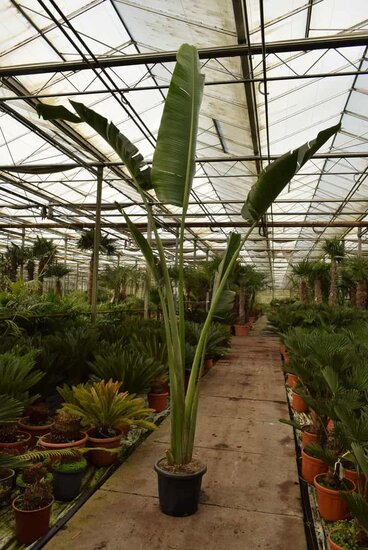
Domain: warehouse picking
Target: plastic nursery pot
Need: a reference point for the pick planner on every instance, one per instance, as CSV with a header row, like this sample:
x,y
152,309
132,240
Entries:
x,y
282,351
6,485
21,445
158,401
292,380
333,545
30,525
79,444
67,485
298,404
286,358
179,492
103,458
311,467
35,431
308,437
241,330
352,475
331,505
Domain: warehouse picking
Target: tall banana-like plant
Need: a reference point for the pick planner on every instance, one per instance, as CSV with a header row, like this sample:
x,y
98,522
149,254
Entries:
x,y
171,178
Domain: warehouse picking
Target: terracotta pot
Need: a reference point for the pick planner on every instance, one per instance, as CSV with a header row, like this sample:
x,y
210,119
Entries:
x,y
353,476
292,380
333,545
55,446
208,364
20,445
30,525
298,404
166,386
282,351
103,458
308,437
330,425
331,505
311,467
286,358
241,330
35,431
158,401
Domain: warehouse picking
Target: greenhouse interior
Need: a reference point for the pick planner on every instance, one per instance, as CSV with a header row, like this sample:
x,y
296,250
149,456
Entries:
x,y
183,274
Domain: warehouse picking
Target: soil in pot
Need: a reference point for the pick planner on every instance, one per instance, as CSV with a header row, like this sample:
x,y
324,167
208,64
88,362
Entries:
x,y
179,487
298,404
311,467
6,485
20,442
158,401
331,505
107,441
343,537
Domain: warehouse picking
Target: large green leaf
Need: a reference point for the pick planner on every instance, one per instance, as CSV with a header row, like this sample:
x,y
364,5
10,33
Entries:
x,y
127,151
232,246
278,174
173,160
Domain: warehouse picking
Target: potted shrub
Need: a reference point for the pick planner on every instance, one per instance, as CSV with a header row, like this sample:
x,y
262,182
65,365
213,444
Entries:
x,y
32,512
64,433
171,178
102,406
31,474
67,477
37,422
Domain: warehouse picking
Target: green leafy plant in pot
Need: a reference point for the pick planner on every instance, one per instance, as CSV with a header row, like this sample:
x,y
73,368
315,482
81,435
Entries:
x,y
171,178
67,476
102,406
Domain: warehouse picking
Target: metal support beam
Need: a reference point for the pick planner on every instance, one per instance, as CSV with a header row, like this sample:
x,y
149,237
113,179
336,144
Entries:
x,y
147,286
282,46
96,247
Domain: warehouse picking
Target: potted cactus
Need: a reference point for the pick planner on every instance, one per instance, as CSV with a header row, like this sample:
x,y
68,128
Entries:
x,y
171,178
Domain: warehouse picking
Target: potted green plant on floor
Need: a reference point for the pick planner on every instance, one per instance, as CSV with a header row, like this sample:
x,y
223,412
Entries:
x,y
67,476
102,406
171,178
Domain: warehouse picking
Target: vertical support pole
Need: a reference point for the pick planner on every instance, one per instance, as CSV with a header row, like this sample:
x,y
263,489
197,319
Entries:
x,y
195,253
96,246
148,276
77,277
23,243
207,293
359,241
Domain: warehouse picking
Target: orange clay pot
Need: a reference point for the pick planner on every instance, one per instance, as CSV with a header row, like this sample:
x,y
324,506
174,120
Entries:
x,y
80,443
35,431
20,445
353,476
103,458
331,505
292,380
298,404
308,437
158,401
282,349
30,525
241,330
311,467
208,364
333,545
330,425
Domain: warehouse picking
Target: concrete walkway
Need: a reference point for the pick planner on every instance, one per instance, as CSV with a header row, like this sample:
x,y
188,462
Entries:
x,y
250,495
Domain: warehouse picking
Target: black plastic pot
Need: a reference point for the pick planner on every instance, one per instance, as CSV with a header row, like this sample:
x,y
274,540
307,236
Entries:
x,y
67,484
179,493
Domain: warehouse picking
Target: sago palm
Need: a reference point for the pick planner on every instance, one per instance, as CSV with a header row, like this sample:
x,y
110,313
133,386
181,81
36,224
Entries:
x,y
86,243
335,250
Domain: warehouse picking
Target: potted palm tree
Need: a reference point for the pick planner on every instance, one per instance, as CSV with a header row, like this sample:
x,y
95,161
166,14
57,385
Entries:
x,y
86,243
357,267
59,271
319,277
335,250
44,250
171,178
302,270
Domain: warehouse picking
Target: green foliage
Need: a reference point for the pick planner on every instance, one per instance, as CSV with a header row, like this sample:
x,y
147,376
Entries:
x,y
10,409
104,407
334,248
77,465
87,239
18,375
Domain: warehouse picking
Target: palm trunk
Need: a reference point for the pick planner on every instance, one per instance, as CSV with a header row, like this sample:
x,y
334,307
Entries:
x,y
303,291
30,270
333,284
41,276
318,291
59,289
242,306
353,295
361,294
90,278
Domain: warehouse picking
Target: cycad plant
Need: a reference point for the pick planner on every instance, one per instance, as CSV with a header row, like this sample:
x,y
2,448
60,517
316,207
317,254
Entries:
x,y
335,250
44,250
86,243
171,179
18,375
102,405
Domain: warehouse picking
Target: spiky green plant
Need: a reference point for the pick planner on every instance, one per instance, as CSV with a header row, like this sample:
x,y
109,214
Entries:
x,y
102,405
59,271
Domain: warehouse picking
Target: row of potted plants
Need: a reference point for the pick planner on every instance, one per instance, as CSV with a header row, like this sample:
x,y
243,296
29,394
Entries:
x,y
327,375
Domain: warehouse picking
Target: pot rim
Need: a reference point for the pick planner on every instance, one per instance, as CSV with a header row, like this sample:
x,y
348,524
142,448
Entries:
x,y
33,426
44,443
173,475
312,458
330,539
164,393
333,491
9,476
102,440
22,442
16,509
